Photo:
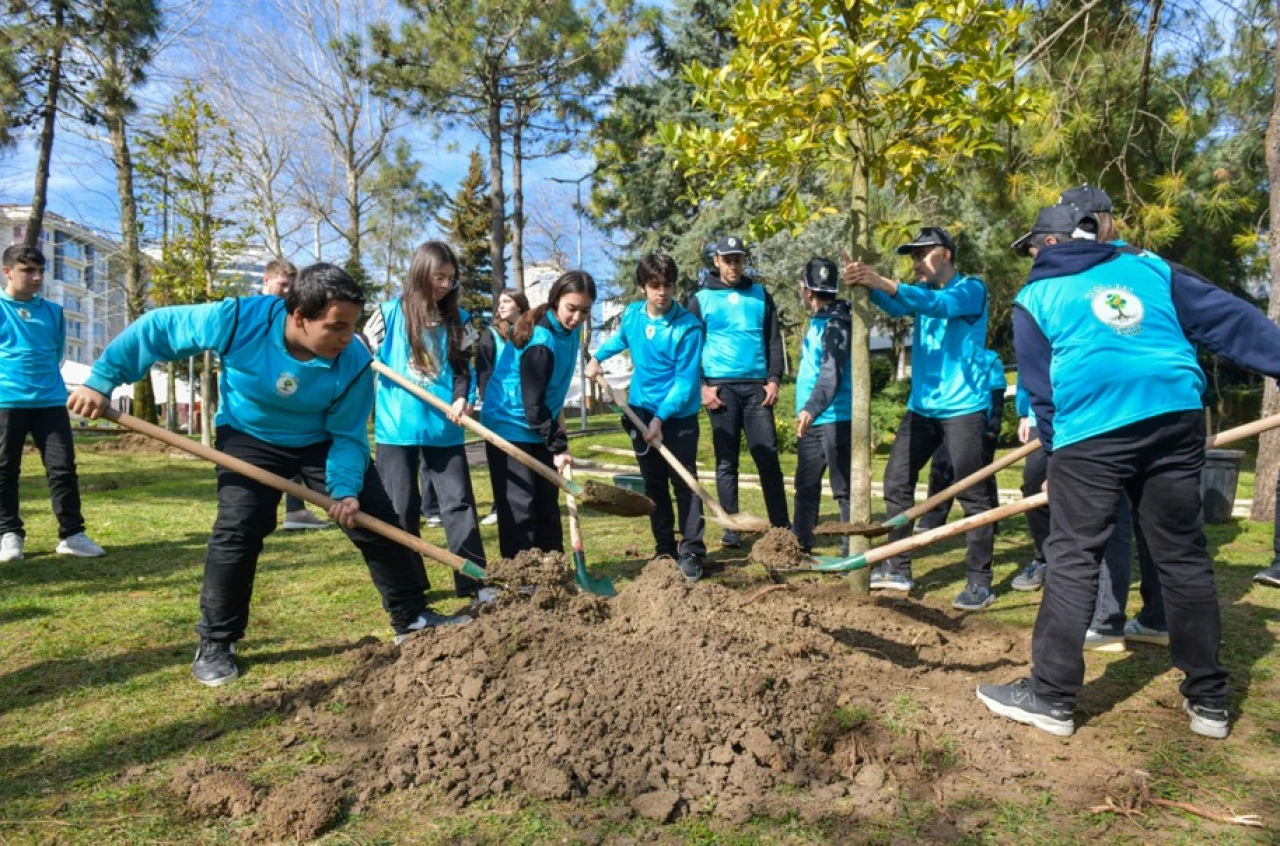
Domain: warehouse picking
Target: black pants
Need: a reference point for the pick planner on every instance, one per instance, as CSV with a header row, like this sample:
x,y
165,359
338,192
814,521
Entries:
x,y
918,439
680,435
430,501
942,476
247,514
447,468
291,502
528,505
744,411
50,428
1034,472
822,448
1157,462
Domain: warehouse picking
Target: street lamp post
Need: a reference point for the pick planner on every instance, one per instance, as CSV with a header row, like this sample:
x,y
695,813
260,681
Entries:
x,y
586,326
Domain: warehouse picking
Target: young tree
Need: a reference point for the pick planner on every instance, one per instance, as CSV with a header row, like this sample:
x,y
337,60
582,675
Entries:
x,y
860,94
1264,495
465,222
404,206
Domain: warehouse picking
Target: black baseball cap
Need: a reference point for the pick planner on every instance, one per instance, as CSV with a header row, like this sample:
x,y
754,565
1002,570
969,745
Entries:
x,y
731,245
1087,198
930,236
822,275
1062,218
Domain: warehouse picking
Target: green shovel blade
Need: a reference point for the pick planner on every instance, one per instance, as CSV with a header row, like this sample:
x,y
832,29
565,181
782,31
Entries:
x,y
837,564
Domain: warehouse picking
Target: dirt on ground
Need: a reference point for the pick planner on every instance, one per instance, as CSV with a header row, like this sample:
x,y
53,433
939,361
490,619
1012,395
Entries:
x,y
672,699
131,443
611,499
778,548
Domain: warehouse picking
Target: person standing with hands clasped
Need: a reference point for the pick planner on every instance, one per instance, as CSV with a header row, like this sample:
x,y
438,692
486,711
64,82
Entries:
x,y
824,400
741,370
950,398
665,342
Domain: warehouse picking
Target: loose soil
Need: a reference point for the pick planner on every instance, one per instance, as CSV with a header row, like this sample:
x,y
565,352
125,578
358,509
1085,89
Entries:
x,y
611,499
780,549
671,699
835,527
132,443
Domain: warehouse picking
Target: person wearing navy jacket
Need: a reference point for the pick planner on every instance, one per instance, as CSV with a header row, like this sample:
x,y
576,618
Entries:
x,y
824,399
741,371
33,400
296,396
950,399
425,336
522,403
665,342
1104,336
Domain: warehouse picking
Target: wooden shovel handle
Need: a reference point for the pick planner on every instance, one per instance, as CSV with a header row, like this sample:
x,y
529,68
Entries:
x,y
1239,433
271,480
969,481
575,527
682,471
480,429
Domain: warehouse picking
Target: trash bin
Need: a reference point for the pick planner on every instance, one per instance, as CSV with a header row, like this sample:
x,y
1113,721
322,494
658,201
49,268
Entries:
x,y
631,481
1218,483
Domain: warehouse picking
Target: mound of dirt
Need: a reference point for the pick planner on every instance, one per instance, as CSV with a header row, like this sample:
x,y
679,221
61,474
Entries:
x,y
778,548
131,443
674,698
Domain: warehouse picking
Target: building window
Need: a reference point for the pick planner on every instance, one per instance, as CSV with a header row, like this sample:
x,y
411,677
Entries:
x,y
59,251
72,303
90,272
75,329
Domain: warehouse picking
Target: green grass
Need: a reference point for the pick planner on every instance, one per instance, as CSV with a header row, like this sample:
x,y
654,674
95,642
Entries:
x,y
97,706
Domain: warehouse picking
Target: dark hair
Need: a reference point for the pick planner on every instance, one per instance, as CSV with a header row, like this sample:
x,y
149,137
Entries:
x,y
422,311
656,266
823,296
570,282
1038,239
22,254
522,302
317,286
280,267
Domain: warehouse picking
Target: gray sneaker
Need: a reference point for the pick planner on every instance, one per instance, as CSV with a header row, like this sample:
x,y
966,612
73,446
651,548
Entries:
x,y
11,547
883,579
1031,578
215,663
1269,576
974,597
1138,633
1017,702
1206,721
304,519
1096,641
80,546
690,567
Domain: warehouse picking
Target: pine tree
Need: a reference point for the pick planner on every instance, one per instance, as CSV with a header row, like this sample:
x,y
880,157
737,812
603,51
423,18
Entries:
x,y
466,226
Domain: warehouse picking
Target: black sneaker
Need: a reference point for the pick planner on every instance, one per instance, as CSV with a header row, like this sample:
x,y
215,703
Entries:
x,y
1206,721
1017,702
215,665
1269,576
690,567
429,619
731,540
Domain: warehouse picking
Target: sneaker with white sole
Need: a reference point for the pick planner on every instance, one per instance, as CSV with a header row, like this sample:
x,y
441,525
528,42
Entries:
x,y
883,579
974,597
1096,641
429,619
1138,633
80,546
1017,702
1031,577
11,547
434,522
490,519
1269,576
304,519
215,663
1206,721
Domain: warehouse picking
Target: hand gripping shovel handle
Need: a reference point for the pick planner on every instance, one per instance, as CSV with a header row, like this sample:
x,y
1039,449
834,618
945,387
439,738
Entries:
x,y
964,484
483,431
271,480
880,553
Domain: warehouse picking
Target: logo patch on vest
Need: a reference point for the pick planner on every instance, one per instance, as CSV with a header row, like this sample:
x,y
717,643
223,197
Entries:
x,y
649,332
24,314
286,384
1119,308
733,298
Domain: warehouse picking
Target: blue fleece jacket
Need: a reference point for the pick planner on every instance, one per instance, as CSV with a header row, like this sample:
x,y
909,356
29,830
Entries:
x,y
33,341
665,355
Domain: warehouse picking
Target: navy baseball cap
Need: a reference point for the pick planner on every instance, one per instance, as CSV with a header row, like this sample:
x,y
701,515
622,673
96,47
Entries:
x,y
930,236
731,245
1087,198
822,275
1062,218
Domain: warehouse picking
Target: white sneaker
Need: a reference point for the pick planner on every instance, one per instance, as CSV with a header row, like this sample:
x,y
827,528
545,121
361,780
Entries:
x,y
304,519
434,522
490,519
80,546
11,547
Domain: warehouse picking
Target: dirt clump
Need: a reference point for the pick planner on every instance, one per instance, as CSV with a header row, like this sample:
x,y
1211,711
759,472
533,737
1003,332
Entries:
x,y
301,811
214,791
778,548
131,443
611,499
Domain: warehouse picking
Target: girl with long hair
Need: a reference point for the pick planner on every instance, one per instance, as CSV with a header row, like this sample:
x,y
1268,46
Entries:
x,y
425,335
523,401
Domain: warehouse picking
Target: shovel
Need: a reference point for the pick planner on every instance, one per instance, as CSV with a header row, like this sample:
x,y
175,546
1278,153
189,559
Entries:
x,y
271,480
591,584
733,522
880,553
607,498
871,531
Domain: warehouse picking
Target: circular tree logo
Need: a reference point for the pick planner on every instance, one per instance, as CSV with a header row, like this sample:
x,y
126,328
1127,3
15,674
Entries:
x,y
286,384
1119,308
734,298
649,332
24,314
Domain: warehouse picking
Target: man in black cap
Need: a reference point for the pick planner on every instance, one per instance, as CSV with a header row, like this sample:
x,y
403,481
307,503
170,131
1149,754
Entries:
x,y
741,369
949,398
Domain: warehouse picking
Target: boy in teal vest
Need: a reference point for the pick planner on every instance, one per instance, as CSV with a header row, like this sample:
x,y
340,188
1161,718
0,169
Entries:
x,y
824,399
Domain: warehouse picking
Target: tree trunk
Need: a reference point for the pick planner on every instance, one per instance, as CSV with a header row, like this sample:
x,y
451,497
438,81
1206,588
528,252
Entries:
x,y
355,264
171,398
497,202
49,124
206,400
1264,483
517,200
860,360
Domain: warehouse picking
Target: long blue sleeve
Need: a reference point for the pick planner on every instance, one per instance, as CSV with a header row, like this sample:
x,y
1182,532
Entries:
x,y
966,297
1034,356
890,305
1021,401
166,334
616,343
346,422
1224,324
687,382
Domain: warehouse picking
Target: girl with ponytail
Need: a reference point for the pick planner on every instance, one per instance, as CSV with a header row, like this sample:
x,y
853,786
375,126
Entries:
x,y
523,401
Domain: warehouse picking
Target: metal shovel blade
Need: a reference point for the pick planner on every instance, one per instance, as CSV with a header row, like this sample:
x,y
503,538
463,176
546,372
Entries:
x,y
862,530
